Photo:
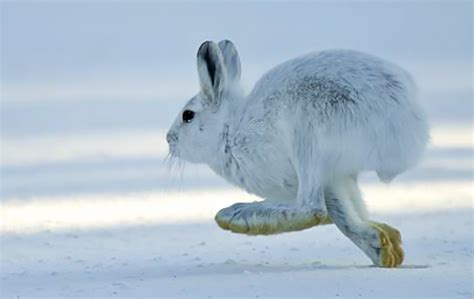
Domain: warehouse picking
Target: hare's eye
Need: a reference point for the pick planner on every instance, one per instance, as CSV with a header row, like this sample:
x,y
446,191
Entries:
x,y
188,116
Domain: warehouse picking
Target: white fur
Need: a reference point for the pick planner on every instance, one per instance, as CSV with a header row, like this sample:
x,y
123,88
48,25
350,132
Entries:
x,y
307,123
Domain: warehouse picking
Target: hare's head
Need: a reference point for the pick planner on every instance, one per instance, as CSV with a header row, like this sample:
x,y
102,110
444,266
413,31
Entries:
x,y
197,133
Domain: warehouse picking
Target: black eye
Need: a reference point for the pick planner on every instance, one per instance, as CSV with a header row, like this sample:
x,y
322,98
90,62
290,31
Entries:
x,y
188,116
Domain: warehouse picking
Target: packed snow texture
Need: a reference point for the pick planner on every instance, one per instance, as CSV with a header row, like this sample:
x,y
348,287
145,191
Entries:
x,y
88,207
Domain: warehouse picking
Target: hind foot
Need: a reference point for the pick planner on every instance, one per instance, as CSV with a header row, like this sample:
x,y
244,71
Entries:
x,y
265,218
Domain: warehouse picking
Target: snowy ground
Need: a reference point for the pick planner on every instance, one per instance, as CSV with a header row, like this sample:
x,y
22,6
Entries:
x,y
198,259
88,209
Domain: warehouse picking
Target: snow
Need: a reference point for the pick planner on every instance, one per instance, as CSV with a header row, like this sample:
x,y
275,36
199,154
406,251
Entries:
x,y
89,209
199,259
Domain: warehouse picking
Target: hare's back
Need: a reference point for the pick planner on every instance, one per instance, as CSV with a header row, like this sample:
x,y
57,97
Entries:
x,y
347,72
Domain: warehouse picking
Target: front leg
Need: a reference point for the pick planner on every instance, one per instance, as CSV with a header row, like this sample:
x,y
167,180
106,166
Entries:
x,y
311,196
266,217
310,165
379,241
309,209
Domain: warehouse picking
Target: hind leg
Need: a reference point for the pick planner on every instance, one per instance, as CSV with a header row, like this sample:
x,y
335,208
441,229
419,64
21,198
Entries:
x,y
379,241
267,217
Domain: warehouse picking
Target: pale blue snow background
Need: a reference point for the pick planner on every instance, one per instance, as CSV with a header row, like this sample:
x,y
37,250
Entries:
x,y
89,89
81,68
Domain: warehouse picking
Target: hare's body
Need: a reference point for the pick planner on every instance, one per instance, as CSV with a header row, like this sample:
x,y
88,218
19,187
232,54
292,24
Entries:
x,y
300,139
357,111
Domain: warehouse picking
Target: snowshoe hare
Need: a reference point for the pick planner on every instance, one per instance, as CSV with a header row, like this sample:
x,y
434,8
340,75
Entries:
x,y
300,139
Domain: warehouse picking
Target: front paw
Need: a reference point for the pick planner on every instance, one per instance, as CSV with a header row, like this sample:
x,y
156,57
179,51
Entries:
x,y
259,218
387,245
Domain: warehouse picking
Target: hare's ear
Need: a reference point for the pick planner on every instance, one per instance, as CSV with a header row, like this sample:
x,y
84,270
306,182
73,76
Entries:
x,y
211,71
231,59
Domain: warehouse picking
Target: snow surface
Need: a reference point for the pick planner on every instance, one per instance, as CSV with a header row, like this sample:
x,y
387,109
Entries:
x,y
89,209
199,259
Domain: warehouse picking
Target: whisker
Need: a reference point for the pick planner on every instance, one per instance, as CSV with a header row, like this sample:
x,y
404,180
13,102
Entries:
x,y
166,160
175,166
172,164
182,165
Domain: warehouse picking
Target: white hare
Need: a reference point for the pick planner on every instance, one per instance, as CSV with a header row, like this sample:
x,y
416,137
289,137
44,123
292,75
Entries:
x,y
300,139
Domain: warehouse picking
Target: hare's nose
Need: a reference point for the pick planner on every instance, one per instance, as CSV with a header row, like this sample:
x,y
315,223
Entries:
x,y
171,137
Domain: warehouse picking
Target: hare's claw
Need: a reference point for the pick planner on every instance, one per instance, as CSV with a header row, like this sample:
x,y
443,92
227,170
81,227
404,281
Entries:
x,y
263,218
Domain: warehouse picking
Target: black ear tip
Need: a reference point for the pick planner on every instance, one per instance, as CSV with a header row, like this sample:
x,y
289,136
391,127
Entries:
x,y
207,53
205,45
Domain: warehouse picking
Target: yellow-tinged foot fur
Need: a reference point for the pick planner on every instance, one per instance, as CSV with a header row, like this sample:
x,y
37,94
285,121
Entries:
x,y
263,219
391,253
